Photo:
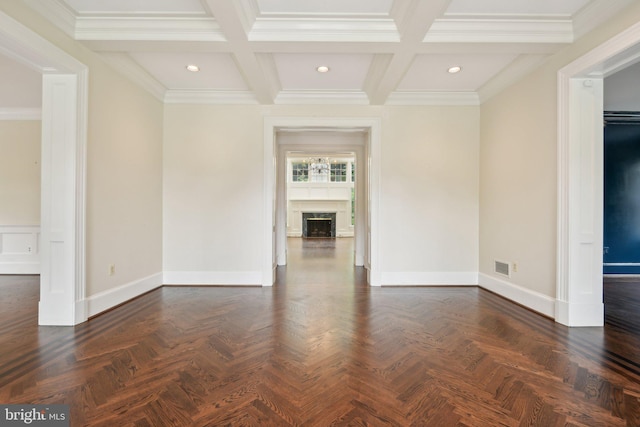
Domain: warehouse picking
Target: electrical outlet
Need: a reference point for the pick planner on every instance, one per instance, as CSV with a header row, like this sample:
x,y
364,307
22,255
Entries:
x,y
515,267
112,269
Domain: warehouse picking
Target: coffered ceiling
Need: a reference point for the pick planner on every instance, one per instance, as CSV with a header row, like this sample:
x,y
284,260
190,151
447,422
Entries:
x,y
377,51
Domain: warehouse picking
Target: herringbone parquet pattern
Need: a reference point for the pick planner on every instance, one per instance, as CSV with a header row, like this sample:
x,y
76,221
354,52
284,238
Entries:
x,y
318,349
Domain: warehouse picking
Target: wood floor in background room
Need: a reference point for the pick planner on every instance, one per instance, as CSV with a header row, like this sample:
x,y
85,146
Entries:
x,y
322,348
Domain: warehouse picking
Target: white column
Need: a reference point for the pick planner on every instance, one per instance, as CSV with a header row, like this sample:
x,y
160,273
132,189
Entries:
x,y
61,169
580,199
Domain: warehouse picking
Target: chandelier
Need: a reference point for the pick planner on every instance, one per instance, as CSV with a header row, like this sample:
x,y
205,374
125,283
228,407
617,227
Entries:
x,y
319,165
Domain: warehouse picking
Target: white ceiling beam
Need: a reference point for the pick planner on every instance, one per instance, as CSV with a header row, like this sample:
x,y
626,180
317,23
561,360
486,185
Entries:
x,y
418,18
233,24
148,28
500,30
370,30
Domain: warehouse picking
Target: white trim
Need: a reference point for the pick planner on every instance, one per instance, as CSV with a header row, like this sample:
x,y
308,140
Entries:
x,y
478,30
215,97
596,13
64,137
429,278
126,66
148,28
514,72
110,298
307,97
533,300
580,180
298,29
433,98
20,114
373,151
229,278
58,12
19,267
621,264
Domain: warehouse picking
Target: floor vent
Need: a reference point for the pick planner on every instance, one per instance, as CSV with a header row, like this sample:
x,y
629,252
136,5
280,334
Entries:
x,y
502,268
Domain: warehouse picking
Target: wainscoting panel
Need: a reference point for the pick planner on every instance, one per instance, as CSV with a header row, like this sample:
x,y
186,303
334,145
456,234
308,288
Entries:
x,y
19,249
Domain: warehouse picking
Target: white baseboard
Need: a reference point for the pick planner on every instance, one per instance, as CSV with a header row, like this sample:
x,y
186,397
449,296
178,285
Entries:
x,y
579,314
102,301
230,278
448,278
19,267
533,300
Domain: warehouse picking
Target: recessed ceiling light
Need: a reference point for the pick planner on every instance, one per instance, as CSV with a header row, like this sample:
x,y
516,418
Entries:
x,y
454,70
322,69
193,68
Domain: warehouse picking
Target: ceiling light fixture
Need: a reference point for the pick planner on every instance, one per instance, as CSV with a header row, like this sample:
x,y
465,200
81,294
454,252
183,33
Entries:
x,y
193,68
454,70
322,69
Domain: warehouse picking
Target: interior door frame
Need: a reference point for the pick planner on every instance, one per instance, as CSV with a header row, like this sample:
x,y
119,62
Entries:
x,y
65,83
579,300
272,167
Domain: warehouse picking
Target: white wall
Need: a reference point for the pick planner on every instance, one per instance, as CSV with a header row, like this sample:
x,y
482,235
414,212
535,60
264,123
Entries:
x,y
213,192
518,206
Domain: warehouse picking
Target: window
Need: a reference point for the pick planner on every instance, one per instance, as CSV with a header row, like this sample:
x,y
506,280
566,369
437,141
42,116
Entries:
x,y
300,172
338,172
353,172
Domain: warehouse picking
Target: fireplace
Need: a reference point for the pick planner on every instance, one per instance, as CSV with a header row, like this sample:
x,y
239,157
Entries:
x,y
319,224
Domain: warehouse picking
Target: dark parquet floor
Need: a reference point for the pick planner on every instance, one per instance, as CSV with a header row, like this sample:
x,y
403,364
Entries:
x,y
322,348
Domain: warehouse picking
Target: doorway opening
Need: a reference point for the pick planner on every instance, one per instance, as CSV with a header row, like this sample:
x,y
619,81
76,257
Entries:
x,y
287,138
579,295
64,130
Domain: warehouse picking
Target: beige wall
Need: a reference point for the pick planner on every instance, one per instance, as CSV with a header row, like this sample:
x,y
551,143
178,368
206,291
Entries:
x,y
213,186
20,172
518,163
124,167
429,189
213,163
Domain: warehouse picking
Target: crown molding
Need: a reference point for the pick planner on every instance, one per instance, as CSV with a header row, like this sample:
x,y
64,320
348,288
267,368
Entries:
x,y
324,30
148,28
311,97
216,97
433,98
57,12
488,30
596,13
126,66
515,71
20,114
